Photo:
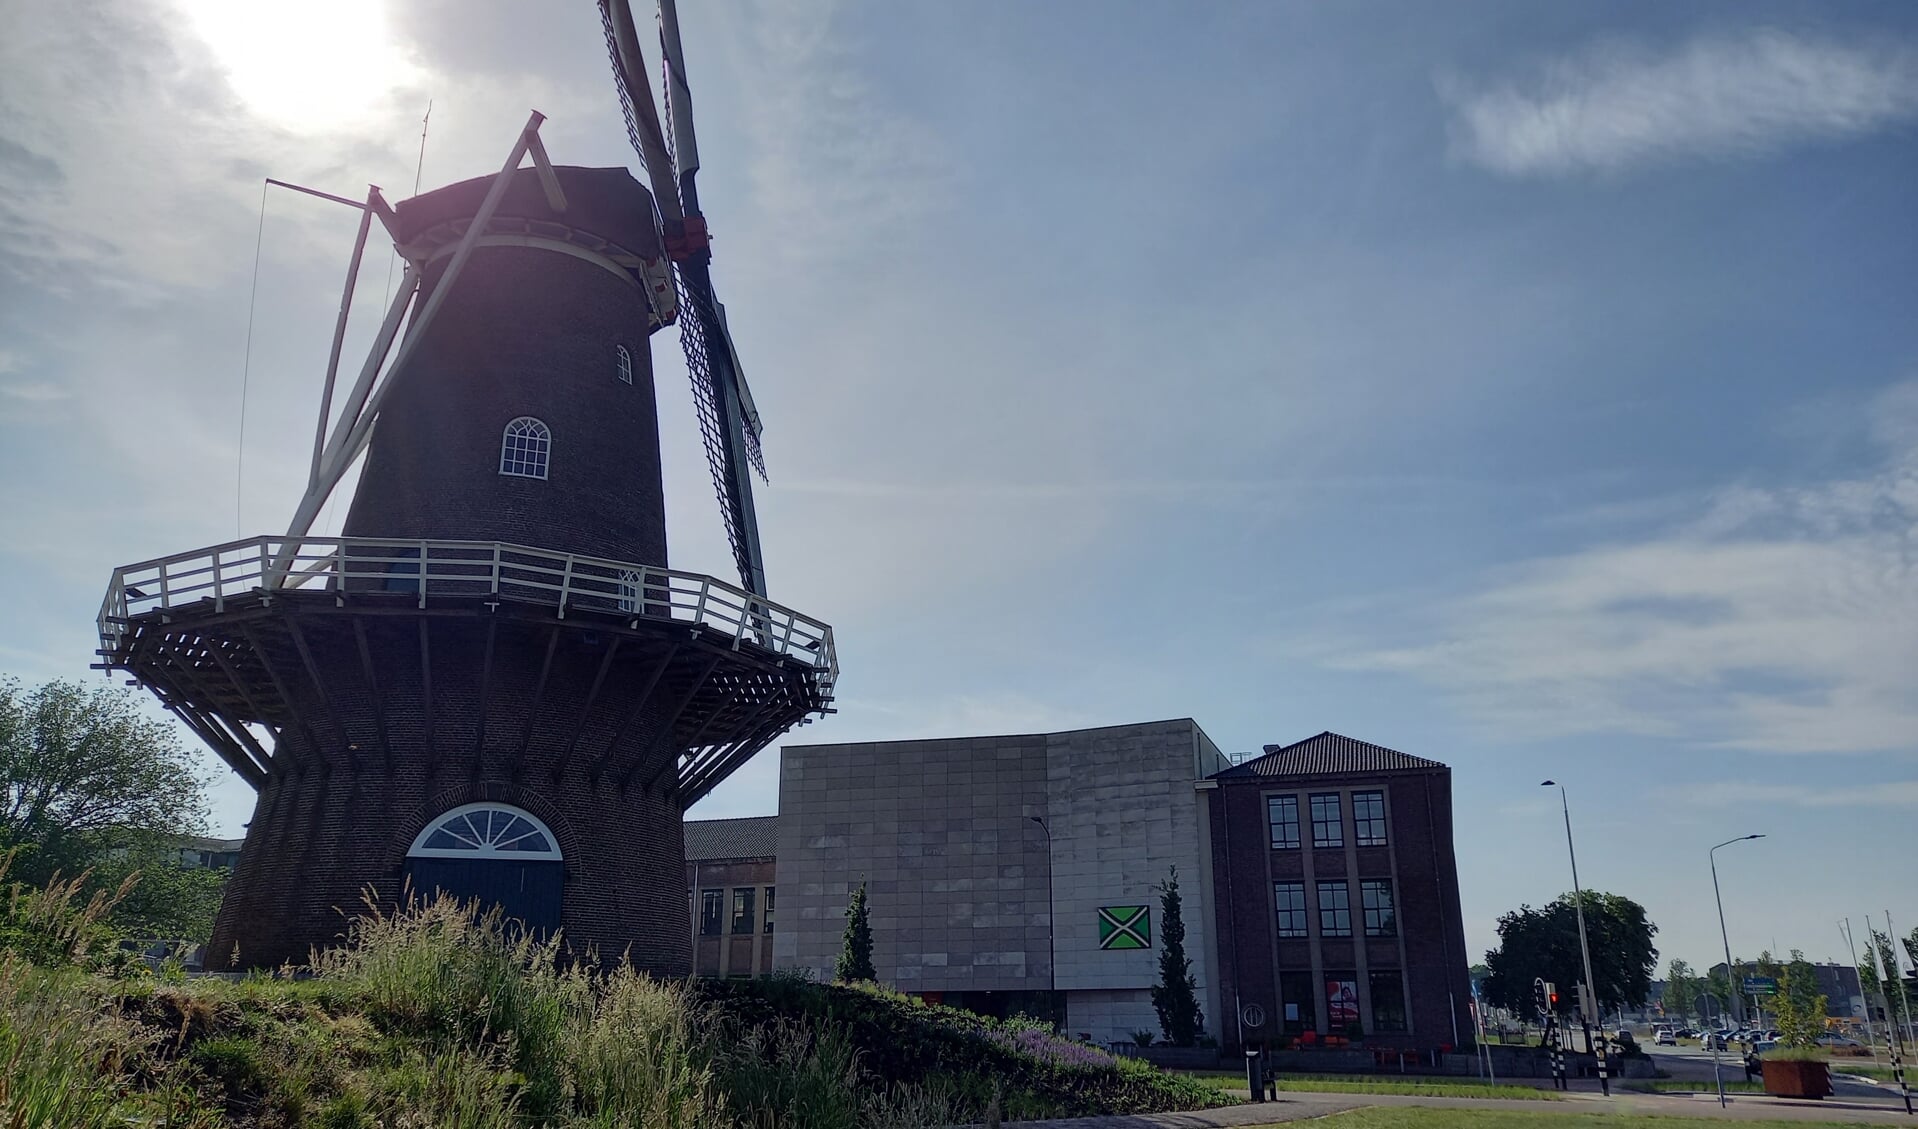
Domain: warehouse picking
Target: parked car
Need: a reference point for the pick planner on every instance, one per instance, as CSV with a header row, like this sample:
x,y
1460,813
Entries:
x,y
1686,1032
1832,1039
1717,1041
1664,1037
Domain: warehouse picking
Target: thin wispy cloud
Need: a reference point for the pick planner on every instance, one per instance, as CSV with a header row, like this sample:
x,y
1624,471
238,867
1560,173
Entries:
x,y
1620,105
1780,621
1878,794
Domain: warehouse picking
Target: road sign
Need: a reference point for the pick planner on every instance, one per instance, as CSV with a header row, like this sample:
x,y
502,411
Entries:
x,y
1761,985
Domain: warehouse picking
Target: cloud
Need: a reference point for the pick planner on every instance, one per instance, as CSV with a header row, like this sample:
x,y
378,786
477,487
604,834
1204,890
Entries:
x,y
1781,620
1886,794
35,392
1621,105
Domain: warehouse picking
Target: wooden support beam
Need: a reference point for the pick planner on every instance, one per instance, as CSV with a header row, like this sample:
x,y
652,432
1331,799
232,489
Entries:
x,y
300,720
665,740
539,695
645,697
485,689
319,687
373,692
586,709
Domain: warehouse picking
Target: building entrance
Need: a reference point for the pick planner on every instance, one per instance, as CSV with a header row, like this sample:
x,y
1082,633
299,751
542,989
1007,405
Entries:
x,y
499,855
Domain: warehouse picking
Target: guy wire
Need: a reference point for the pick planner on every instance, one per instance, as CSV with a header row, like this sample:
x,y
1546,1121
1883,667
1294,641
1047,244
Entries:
x,y
246,368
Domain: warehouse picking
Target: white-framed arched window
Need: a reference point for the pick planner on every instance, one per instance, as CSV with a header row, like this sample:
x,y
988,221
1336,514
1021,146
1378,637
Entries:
x,y
629,595
625,365
524,448
486,830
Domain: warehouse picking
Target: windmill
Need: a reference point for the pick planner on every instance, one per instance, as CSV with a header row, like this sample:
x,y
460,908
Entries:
x,y
491,684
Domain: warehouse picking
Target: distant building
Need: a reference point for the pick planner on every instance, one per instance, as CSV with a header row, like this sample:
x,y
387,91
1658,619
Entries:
x,y
198,852
1337,896
729,877
1017,873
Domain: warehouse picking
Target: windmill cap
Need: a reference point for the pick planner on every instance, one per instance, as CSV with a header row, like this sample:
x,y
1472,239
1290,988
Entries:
x,y
603,206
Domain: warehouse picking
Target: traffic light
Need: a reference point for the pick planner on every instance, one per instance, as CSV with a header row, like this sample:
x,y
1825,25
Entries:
x,y
1545,995
1551,996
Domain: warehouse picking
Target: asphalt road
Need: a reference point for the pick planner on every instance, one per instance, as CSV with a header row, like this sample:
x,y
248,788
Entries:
x,y
1694,1064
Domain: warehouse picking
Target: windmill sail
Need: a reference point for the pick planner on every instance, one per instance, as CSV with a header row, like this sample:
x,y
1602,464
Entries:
x,y
729,425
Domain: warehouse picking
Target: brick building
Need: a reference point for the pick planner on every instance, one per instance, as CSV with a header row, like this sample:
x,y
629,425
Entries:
x,y
1337,895
729,880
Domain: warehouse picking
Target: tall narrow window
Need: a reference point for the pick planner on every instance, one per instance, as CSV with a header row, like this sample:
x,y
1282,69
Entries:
x,y
1368,818
1290,899
1282,812
743,910
524,449
629,590
1328,829
711,905
625,365
1388,999
1381,919
1335,909
769,909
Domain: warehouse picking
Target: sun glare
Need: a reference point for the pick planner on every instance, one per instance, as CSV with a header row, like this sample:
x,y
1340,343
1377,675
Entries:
x,y
302,64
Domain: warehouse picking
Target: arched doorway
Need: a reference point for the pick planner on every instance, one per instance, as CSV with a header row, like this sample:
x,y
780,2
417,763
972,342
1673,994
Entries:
x,y
494,852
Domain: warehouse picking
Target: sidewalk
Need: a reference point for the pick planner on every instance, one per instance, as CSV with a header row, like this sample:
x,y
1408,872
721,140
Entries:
x,y
1297,1106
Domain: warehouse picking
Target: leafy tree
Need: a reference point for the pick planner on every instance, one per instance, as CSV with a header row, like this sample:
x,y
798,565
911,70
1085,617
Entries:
x,y
1911,947
1681,988
1543,942
1175,997
91,786
855,950
1799,1006
82,772
1879,974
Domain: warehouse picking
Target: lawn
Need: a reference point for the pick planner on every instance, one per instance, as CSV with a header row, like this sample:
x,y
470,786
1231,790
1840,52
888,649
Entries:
x,y
1736,1085
1347,1084
1412,1117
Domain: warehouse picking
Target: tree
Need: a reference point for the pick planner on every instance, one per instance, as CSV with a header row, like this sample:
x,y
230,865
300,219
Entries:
x,y
1175,997
1681,989
83,774
1799,1006
1536,943
855,951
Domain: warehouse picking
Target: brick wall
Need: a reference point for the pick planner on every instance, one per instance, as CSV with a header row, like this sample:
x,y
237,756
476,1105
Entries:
x,y
1430,948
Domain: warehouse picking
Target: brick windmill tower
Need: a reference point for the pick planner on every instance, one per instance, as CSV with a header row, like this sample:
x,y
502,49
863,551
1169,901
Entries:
x,y
492,684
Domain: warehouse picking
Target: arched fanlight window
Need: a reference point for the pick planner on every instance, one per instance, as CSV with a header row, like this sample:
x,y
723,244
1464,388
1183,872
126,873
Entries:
x,y
629,590
486,830
625,365
524,448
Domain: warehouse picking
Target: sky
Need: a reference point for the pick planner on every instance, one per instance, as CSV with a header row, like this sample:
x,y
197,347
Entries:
x,y
1529,387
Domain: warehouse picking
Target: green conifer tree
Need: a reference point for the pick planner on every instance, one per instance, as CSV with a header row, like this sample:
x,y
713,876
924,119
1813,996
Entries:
x,y
855,951
1175,997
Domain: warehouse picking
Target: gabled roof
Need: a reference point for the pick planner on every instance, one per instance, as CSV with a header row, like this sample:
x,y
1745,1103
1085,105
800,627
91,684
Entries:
x,y
754,837
1327,753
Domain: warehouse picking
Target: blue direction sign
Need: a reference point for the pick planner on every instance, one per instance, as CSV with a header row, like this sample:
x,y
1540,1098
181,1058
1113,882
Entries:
x,y
1761,985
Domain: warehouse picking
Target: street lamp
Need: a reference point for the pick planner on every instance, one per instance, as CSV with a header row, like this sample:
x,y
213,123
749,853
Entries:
x,y
1052,933
1578,903
1731,986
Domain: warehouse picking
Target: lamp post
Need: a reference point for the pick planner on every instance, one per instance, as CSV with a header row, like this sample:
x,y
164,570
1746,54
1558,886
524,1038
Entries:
x,y
1731,985
1052,934
1578,903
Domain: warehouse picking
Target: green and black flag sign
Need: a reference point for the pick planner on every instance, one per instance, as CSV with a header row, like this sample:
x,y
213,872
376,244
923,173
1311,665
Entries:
x,y
1125,927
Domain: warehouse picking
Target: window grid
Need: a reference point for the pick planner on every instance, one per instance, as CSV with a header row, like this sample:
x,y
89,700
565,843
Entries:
x,y
1381,916
1368,818
743,910
1290,899
1328,829
1335,909
625,366
710,905
524,449
769,909
629,590
1282,812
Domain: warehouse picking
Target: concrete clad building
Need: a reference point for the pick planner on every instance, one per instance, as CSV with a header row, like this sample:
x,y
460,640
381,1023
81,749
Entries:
x,y
729,878
1337,894
1005,873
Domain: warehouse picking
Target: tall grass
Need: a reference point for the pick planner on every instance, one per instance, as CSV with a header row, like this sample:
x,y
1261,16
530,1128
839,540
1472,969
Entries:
x,y
642,1058
63,1058
54,926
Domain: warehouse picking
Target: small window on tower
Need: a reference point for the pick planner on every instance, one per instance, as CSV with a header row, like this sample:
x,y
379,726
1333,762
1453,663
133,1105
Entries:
x,y
625,366
525,447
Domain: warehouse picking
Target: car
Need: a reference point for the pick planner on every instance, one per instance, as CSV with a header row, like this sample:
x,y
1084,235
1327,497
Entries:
x,y
1664,1037
1717,1040
1836,1040
1686,1032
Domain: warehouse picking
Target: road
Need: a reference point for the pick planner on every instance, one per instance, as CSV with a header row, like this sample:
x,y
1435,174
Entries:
x,y
1694,1064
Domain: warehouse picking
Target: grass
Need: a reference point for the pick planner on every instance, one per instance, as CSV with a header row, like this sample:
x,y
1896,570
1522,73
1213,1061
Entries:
x,y
1667,1086
433,1017
1410,1117
1347,1084
1872,1070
